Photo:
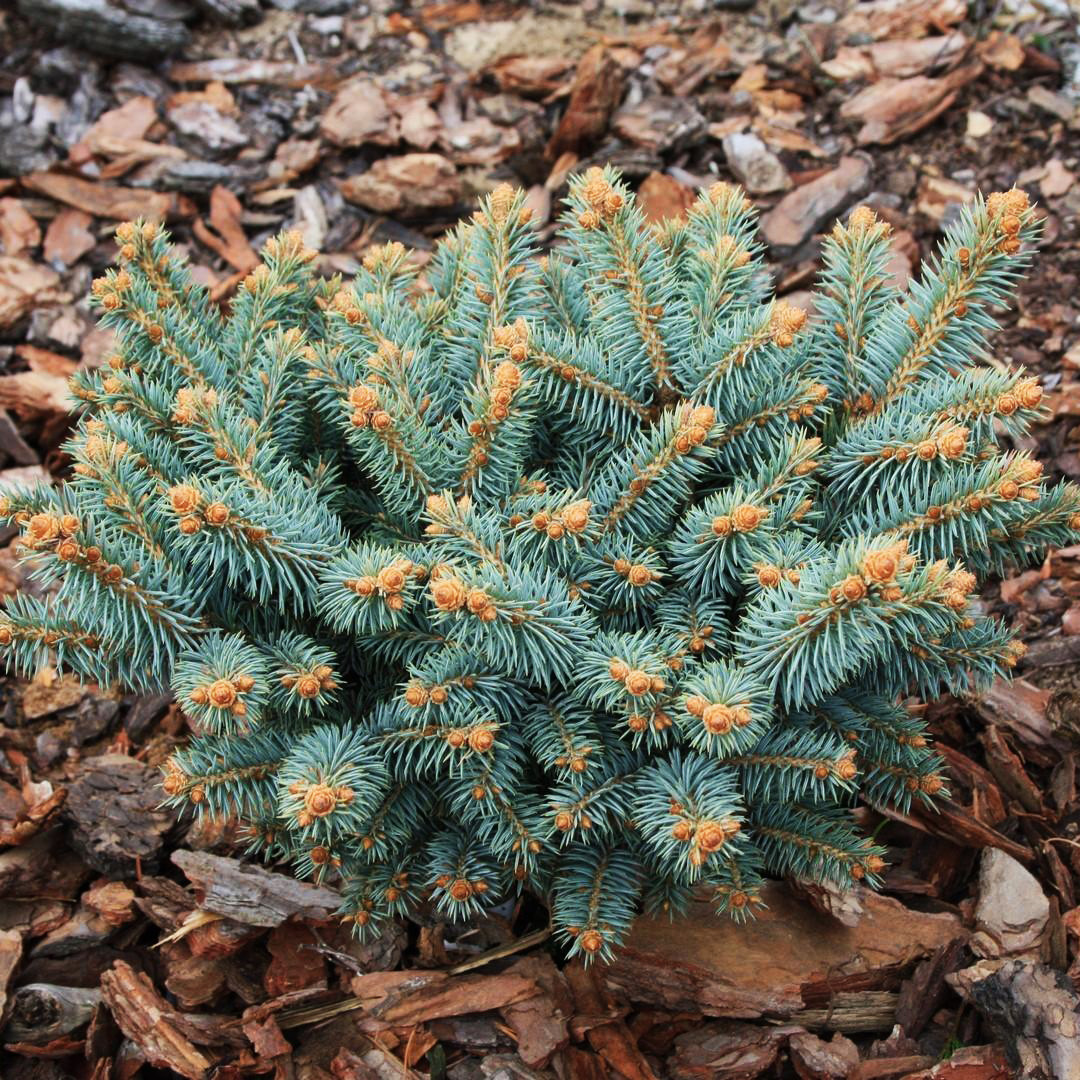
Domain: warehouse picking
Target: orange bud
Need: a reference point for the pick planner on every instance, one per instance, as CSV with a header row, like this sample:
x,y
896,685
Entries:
x,y
592,941
576,516
416,695
222,694
953,444
217,514
880,566
717,719
477,601
307,686
508,374
710,836
748,517
1029,392
448,593
769,576
481,740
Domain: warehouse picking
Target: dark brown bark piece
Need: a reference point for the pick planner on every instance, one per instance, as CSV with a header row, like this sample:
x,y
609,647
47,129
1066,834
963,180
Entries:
x,y
32,820
951,821
1021,708
102,1036
83,969
13,444
891,109
145,711
349,1066
1009,770
266,1038
815,1059
40,867
607,1033
107,29
112,900
581,1065
539,1022
114,807
921,995
725,1050
193,980
889,1068
84,930
455,996
597,90
294,964
102,200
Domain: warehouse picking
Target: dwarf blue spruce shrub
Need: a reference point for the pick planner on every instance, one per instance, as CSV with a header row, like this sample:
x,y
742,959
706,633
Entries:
x,y
599,574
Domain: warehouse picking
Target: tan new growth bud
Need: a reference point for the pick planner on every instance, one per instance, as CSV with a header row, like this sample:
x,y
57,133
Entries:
x,y
592,941
748,517
481,740
861,219
508,374
576,516
183,498
717,719
881,566
448,593
308,686
1029,393
320,800
769,576
217,514
500,202
1011,203
42,528
953,443
221,694
364,397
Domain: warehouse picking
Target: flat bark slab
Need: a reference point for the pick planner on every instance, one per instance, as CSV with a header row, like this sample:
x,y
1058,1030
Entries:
x,y
249,894
789,958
